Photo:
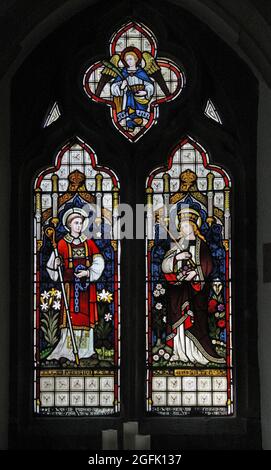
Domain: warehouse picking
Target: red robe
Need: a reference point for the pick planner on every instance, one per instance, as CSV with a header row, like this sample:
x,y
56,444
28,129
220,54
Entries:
x,y
87,316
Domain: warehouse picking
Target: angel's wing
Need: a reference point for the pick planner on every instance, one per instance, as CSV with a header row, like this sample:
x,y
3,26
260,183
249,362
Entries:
x,y
108,73
152,68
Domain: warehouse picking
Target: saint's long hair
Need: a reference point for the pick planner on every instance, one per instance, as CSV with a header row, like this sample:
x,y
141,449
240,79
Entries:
x,y
196,229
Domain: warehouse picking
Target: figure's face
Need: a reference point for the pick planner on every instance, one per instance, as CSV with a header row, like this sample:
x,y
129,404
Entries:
x,y
186,228
76,225
130,60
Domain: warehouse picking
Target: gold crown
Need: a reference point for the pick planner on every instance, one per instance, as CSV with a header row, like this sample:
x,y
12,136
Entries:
x,y
189,214
76,177
188,176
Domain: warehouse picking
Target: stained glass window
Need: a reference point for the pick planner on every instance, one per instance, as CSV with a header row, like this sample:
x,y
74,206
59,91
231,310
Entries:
x,y
188,289
53,115
211,112
133,81
76,286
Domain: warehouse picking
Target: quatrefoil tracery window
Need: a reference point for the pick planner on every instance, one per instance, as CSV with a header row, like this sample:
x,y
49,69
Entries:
x,y
133,81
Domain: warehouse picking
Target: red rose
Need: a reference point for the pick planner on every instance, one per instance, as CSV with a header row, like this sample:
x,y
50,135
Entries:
x,y
221,323
212,306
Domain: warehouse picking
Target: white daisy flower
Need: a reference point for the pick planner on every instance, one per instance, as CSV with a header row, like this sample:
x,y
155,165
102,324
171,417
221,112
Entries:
x,y
162,291
158,306
161,352
105,296
44,307
108,317
45,295
156,357
156,293
159,286
58,294
166,356
56,305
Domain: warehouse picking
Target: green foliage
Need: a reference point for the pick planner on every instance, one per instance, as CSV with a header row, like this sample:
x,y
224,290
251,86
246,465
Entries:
x,y
218,297
49,326
103,329
157,320
221,350
45,352
214,330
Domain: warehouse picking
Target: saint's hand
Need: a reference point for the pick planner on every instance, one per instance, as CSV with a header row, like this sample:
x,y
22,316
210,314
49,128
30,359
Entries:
x,y
57,262
182,256
190,276
83,273
124,85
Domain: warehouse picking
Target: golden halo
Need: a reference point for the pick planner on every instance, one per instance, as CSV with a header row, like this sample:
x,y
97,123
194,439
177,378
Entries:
x,y
75,210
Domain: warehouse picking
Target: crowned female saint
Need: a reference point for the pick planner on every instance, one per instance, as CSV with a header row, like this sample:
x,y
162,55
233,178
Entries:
x,y
82,265
187,267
